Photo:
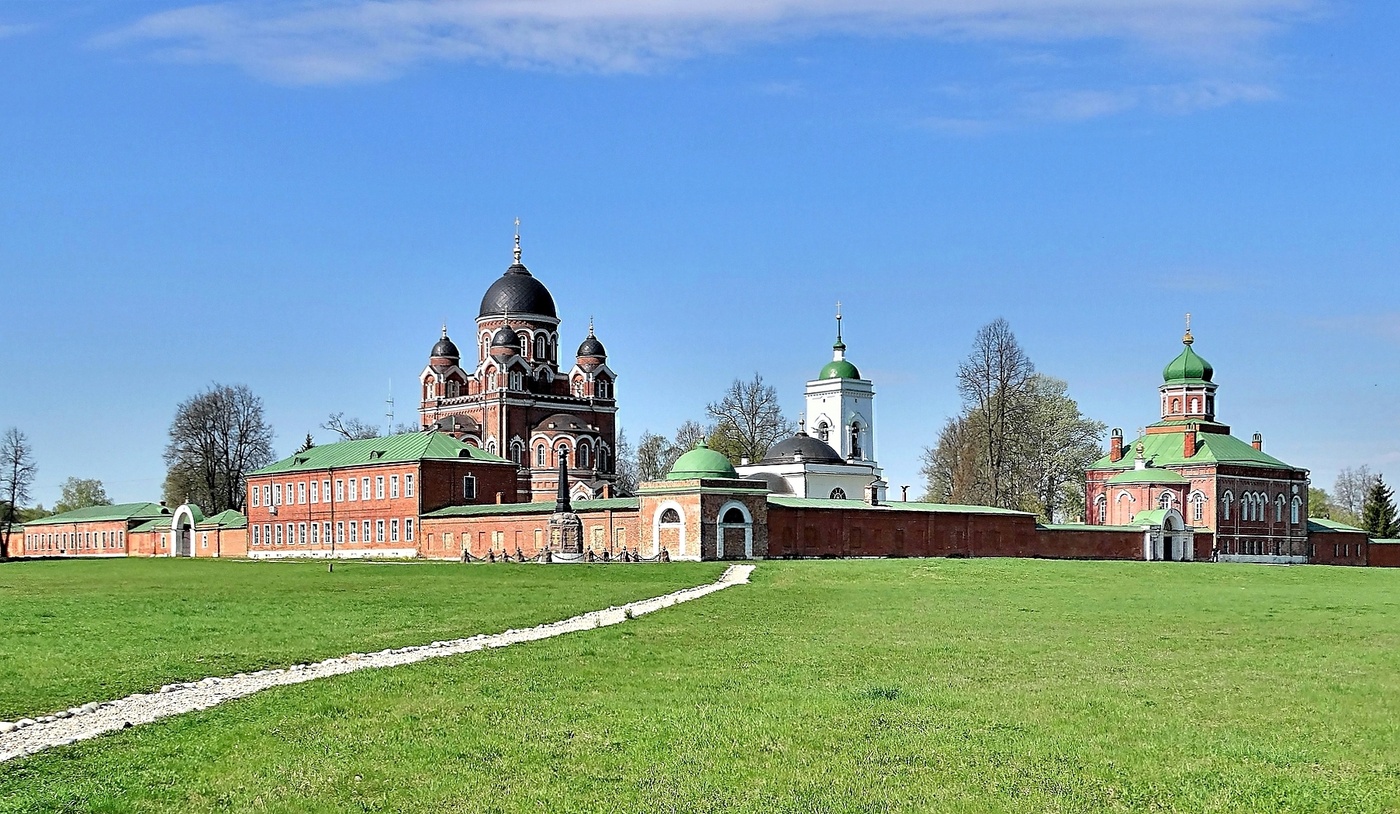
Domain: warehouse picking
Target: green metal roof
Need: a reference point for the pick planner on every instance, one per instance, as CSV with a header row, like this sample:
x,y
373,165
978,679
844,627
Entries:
x,y
1385,541
701,462
227,519
1324,524
540,507
1152,518
1149,475
98,514
405,448
1166,449
897,505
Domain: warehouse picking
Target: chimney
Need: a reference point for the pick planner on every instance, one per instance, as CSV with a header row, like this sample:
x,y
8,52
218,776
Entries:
x,y
1258,442
607,491
1115,445
1188,444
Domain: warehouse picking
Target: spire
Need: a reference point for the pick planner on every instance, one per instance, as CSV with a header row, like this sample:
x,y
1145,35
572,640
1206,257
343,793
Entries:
x,y
517,241
590,324
444,330
1187,339
840,346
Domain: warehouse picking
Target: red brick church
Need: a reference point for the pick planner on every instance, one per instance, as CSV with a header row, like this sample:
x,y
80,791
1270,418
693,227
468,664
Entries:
x,y
516,401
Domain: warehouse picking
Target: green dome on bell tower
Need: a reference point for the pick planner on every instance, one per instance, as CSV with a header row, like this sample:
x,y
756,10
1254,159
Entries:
x,y
838,367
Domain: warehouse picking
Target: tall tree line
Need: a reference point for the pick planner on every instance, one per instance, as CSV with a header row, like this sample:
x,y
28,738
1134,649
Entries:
x,y
1020,441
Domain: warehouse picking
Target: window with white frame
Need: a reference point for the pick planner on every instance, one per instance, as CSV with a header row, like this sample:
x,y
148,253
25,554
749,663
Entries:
x,y
278,527
257,535
469,487
394,486
267,494
326,532
539,455
1101,509
339,490
408,485
1297,507
315,493
326,490
301,534
394,530
364,488
340,531
277,495
379,531
365,528
1225,504
1198,507
408,529
301,492
256,494
378,487
315,534
354,532
354,490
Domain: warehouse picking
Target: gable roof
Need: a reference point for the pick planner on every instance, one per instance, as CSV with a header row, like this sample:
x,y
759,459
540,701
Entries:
x,y
404,448
1316,524
226,519
99,514
1167,449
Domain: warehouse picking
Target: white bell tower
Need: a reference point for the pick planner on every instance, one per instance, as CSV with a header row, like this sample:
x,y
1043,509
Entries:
x,y
841,406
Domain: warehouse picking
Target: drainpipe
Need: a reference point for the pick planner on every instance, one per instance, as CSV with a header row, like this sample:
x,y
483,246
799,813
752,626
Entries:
x,y
330,565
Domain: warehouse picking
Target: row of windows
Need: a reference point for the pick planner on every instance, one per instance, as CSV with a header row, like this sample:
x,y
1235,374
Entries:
x,y
1253,506
63,540
354,489
300,534
1195,405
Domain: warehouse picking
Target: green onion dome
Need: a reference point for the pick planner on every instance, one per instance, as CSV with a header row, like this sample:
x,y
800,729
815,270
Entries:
x,y
839,369
1188,366
701,462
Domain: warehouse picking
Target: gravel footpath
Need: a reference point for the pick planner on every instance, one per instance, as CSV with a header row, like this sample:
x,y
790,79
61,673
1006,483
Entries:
x,y
29,735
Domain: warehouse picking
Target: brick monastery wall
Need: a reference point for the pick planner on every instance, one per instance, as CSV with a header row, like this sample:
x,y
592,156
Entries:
x,y
445,538
1384,555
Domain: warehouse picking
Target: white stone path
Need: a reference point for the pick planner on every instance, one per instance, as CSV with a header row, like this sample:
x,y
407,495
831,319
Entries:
x,y
27,736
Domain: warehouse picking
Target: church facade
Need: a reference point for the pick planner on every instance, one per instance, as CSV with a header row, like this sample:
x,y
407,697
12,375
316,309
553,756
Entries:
x,y
836,458
514,395
1188,471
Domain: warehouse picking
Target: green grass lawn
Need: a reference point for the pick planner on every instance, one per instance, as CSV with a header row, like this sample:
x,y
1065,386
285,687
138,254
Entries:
x,y
87,630
905,685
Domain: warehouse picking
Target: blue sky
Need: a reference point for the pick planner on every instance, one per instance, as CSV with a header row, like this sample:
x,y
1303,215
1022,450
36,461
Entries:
x,y
294,196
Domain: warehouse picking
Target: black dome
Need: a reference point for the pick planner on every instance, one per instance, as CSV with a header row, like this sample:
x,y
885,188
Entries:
x,y
505,338
446,348
517,292
813,450
592,347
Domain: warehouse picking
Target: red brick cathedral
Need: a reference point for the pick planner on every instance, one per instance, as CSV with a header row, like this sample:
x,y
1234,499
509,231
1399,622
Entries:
x,y
514,400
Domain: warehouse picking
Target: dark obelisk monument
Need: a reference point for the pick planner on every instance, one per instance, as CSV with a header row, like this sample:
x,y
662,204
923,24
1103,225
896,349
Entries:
x,y
565,529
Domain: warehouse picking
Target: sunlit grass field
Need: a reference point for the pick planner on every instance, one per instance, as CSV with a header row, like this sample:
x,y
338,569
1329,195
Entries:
x,y
88,630
857,686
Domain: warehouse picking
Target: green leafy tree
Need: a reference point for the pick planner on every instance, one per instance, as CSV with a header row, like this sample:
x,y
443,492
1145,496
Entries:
x,y
1319,503
1378,516
80,493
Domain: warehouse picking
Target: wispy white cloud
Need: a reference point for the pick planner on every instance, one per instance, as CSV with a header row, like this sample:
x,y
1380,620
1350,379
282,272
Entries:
x,y
8,30
332,41
1172,99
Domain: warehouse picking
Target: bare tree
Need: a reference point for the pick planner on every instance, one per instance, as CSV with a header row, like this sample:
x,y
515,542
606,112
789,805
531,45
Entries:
x,y
352,429
17,471
953,469
651,457
993,383
1349,493
750,417
216,438
625,465
79,493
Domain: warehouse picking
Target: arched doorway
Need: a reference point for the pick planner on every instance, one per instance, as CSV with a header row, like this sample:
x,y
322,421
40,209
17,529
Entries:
x,y
182,526
734,531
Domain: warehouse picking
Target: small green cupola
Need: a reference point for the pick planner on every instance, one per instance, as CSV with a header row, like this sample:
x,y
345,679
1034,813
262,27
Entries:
x,y
1188,366
838,367
701,462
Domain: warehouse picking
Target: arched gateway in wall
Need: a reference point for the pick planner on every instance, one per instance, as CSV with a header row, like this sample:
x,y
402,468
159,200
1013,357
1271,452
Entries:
x,y
182,525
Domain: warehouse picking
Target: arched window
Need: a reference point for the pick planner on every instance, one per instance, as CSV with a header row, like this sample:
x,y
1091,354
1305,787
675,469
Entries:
x,y
577,387
517,453
491,446
823,431
601,388
603,459
855,442
1278,509
838,493
1165,500
670,516
1176,405
541,347
1198,507
581,458
1101,509
1225,504
734,516
539,456
1297,507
